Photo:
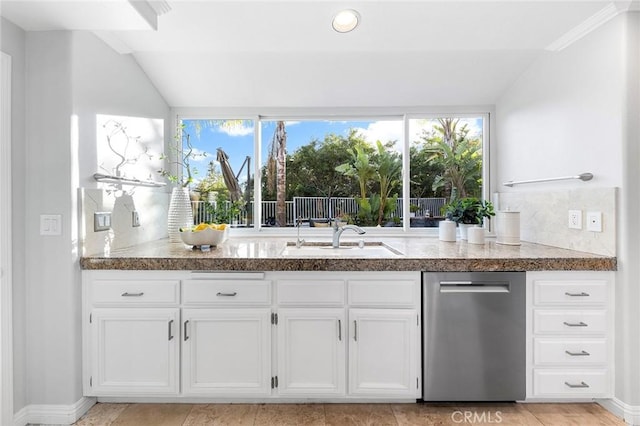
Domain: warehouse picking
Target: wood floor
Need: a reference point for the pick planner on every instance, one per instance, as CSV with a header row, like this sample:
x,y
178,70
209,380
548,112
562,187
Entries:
x,y
347,414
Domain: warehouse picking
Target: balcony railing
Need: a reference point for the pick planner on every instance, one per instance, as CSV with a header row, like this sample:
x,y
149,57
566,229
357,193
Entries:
x,y
309,208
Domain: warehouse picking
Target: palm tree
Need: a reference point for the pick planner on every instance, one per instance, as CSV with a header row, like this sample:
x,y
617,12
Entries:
x,y
277,167
459,156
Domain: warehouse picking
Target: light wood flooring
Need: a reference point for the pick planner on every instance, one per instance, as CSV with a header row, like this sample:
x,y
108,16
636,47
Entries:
x,y
347,414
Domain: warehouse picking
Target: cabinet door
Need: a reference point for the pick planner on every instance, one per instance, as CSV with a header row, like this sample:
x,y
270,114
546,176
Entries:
x,y
383,352
134,352
226,351
311,351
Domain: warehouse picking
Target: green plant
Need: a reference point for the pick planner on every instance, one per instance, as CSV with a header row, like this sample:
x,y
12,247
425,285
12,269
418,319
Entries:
x,y
468,210
413,208
222,211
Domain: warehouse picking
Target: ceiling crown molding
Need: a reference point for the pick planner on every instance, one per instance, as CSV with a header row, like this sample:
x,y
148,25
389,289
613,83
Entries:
x,y
150,10
605,14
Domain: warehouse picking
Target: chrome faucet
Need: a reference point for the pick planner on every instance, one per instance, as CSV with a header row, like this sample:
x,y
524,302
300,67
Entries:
x,y
299,241
338,230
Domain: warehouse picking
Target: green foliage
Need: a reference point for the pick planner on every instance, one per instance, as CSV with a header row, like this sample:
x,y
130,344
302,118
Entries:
x,y
221,211
468,210
213,182
458,157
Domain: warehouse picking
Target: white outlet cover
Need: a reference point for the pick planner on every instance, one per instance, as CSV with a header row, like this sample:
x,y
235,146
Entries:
x,y
594,221
575,219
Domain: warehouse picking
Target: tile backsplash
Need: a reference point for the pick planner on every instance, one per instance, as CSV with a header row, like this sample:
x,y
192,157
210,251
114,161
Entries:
x,y
151,205
544,217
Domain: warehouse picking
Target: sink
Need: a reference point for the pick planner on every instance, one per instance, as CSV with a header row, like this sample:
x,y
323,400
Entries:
x,y
371,249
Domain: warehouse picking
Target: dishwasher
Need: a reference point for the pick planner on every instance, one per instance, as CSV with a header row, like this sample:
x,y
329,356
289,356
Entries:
x,y
474,336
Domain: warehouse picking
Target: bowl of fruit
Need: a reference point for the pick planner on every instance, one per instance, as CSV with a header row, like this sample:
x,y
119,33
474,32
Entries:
x,y
204,234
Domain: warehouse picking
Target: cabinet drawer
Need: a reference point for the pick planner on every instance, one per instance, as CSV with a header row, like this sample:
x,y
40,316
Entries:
x,y
310,292
399,293
135,292
561,351
570,292
569,321
226,292
576,383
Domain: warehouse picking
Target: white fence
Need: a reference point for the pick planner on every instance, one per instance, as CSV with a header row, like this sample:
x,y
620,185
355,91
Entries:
x,y
315,208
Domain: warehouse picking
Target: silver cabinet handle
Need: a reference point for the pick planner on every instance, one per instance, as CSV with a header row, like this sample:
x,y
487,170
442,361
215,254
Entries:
x,y
220,294
581,353
581,294
580,385
127,294
186,336
355,330
340,330
170,329
573,324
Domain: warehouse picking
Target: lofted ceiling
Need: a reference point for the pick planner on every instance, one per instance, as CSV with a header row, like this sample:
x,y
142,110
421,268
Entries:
x,y
276,53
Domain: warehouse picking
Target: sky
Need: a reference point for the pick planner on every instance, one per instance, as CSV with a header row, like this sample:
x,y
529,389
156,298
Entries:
x,y
237,139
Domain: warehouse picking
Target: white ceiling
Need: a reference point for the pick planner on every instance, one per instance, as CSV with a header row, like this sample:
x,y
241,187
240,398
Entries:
x,y
284,53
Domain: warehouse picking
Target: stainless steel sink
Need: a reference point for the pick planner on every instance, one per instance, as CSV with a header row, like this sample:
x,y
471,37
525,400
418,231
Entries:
x,y
371,249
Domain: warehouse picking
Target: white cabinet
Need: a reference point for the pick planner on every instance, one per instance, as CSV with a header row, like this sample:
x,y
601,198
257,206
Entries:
x,y
570,330
135,351
383,352
247,335
131,341
311,351
226,352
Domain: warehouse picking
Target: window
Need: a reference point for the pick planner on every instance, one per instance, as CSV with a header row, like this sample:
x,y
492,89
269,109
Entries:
x,y
318,170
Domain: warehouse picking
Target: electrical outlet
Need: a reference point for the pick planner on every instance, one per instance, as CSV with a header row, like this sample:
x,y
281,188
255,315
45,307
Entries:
x,y
594,221
575,219
135,219
101,221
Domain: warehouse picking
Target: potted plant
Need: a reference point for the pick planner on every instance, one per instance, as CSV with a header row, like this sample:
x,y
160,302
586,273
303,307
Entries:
x,y
468,211
413,210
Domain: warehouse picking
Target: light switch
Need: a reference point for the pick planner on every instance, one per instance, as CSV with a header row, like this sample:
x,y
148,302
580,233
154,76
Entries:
x,y
101,221
50,224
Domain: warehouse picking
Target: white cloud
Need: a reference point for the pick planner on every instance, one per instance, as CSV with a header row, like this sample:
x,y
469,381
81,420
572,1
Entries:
x,y
417,126
235,129
383,131
200,156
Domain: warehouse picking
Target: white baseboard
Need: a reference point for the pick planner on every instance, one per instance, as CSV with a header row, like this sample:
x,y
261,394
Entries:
x,y
630,413
53,414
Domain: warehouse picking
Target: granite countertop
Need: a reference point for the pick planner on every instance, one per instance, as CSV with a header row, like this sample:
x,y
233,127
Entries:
x,y
418,254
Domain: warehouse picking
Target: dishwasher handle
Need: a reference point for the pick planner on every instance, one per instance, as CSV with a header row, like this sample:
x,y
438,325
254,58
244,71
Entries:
x,y
473,287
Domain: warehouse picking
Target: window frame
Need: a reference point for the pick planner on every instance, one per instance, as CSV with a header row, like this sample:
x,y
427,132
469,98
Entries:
x,y
257,115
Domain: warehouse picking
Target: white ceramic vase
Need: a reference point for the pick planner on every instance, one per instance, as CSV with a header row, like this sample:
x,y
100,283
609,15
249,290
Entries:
x,y
447,231
463,228
180,213
475,235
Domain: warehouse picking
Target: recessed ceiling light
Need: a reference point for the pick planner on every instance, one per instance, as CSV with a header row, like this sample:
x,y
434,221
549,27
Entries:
x,y
345,21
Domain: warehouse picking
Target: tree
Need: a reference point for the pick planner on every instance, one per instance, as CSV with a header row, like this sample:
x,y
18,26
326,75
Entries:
x,y
277,171
459,157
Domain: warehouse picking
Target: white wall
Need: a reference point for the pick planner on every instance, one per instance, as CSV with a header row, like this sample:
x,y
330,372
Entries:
x,y
569,113
12,39
71,76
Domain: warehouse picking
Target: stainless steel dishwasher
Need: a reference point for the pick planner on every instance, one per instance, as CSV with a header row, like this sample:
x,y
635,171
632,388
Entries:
x,y
474,336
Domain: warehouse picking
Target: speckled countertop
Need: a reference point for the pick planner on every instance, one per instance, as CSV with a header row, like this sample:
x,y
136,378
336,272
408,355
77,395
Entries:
x,y
417,254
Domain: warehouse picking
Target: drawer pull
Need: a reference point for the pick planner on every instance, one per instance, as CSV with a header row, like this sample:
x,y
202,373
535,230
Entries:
x,y
355,330
573,324
186,336
127,294
580,385
340,330
581,353
581,294
220,294
170,330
